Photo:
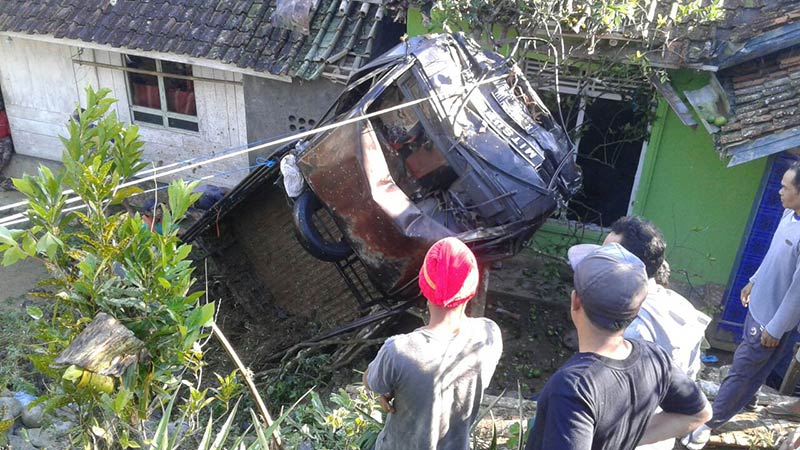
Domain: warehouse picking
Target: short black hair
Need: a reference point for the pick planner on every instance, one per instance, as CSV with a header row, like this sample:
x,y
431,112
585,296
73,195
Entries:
x,y
796,167
642,238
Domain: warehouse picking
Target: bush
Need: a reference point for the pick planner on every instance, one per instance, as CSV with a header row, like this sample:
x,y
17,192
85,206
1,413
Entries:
x,y
106,260
353,423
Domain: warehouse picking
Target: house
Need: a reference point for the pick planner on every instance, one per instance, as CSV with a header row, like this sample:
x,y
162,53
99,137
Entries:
x,y
710,188
199,78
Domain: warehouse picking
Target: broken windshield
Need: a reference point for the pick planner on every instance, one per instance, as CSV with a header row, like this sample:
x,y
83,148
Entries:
x,y
413,146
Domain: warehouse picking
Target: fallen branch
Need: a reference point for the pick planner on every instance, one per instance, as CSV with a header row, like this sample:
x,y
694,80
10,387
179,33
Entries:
x,y
283,353
345,355
505,312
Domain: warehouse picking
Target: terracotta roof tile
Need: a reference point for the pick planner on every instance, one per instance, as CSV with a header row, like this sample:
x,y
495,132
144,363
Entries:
x,y
239,32
764,99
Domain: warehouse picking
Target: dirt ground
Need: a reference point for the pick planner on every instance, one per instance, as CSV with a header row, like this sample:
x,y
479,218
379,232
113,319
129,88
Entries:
x,y
528,298
18,279
532,345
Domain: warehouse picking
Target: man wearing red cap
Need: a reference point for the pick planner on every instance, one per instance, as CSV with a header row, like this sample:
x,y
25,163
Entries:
x,y
431,380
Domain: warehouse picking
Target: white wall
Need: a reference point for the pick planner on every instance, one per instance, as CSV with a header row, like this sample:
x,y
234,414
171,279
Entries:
x,y
41,86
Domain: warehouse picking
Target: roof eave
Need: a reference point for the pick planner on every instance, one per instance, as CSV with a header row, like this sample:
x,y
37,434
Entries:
x,y
763,146
204,62
770,42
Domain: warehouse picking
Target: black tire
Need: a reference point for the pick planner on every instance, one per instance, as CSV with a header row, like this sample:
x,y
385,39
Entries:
x,y
305,206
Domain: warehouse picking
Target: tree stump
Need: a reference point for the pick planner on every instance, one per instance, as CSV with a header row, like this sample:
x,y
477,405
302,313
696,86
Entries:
x,y
104,347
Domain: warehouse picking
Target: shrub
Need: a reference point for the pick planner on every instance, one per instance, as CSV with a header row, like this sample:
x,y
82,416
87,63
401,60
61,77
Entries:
x,y
106,260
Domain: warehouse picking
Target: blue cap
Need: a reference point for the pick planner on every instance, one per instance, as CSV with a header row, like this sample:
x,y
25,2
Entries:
x,y
611,283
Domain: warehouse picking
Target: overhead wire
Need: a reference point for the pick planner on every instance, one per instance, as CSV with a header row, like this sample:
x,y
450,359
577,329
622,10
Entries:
x,y
156,172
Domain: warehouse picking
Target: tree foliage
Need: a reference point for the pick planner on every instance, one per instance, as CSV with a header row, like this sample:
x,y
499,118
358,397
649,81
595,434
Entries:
x,y
652,25
103,259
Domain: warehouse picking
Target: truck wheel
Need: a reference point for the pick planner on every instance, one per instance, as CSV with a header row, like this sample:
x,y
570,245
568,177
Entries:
x,y
305,206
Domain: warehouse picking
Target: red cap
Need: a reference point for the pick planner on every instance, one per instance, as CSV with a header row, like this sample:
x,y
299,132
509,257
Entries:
x,y
449,274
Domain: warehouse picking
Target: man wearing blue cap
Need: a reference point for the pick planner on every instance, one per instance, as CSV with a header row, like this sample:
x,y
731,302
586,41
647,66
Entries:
x,y
605,396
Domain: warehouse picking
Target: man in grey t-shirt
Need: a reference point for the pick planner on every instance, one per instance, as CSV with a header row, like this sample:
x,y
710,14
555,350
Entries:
x,y
431,380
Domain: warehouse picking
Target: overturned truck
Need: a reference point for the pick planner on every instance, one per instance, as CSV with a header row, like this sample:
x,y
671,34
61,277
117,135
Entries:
x,y
435,138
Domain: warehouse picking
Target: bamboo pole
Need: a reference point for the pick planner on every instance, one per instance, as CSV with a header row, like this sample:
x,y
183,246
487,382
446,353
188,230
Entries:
x,y
248,378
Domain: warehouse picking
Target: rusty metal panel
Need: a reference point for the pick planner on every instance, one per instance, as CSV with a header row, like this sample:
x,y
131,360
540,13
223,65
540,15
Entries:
x,y
488,166
348,172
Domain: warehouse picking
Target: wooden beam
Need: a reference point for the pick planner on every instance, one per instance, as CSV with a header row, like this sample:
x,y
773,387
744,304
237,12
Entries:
x,y
154,73
477,306
674,100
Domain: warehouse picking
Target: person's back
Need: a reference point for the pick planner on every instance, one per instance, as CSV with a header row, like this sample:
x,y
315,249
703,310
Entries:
x,y
598,403
437,383
606,397
669,320
665,317
431,381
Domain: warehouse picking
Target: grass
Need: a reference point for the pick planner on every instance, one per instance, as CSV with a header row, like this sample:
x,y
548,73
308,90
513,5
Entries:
x,y
16,371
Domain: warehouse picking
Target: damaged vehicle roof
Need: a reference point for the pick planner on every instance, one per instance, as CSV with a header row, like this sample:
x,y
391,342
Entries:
x,y
461,146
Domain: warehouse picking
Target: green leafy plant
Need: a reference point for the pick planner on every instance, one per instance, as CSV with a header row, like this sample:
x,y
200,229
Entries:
x,y
296,376
352,423
556,21
516,437
217,434
229,387
106,260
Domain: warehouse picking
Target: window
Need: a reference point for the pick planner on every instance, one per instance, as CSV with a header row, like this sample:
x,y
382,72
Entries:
x,y
610,145
609,125
158,98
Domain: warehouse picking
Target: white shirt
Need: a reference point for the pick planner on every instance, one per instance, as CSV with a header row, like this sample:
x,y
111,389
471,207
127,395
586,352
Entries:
x,y
669,320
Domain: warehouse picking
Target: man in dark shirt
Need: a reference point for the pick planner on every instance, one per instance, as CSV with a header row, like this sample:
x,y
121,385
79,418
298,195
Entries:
x,y
605,396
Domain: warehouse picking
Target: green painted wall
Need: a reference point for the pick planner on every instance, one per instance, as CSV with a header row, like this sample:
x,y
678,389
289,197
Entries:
x,y
701,205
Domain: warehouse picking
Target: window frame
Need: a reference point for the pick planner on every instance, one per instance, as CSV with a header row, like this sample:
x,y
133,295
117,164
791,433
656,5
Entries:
x,y
642,152
163,112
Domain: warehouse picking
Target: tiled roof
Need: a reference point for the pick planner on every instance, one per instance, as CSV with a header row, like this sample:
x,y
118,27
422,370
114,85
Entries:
x,y
714,43
234,32
757,50
764,101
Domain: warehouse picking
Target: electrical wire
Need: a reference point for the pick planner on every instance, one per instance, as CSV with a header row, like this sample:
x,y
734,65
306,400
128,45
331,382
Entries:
x,y
166,166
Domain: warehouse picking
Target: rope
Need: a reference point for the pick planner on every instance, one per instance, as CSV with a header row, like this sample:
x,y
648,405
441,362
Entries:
x,y
271,142
166,166
20,218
